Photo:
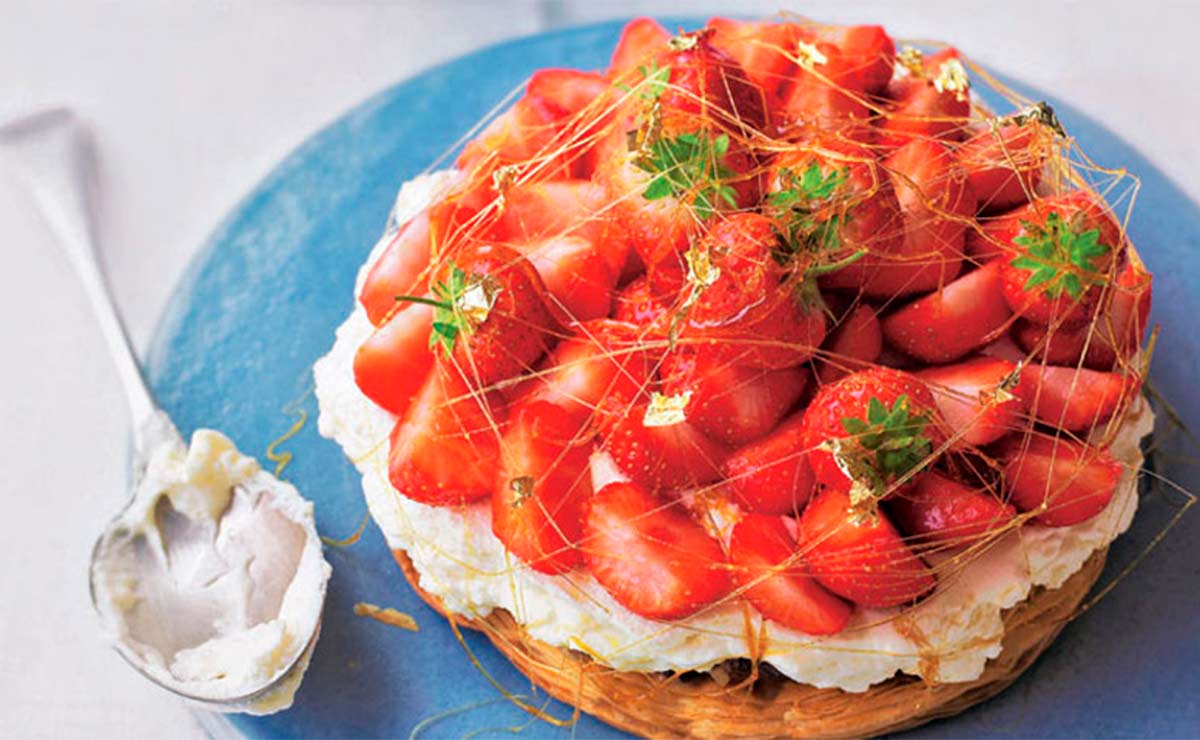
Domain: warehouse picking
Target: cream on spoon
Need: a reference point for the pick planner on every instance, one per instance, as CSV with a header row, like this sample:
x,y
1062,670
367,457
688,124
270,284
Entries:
x,y
211,580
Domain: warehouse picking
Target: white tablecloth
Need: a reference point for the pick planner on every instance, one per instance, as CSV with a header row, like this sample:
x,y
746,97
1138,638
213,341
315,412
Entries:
x,y
193,102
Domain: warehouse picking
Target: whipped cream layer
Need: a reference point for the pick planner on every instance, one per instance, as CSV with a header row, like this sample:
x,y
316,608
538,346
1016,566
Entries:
x,y
460,561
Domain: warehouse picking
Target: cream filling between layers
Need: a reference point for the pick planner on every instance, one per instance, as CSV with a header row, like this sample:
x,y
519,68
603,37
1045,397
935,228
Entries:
x,y
459,560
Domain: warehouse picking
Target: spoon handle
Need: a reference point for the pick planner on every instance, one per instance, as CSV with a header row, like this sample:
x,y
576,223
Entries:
x,y
53,153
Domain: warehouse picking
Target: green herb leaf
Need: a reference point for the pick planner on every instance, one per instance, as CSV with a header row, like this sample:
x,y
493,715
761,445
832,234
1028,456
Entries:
x,y
1059,257
798,210
689,167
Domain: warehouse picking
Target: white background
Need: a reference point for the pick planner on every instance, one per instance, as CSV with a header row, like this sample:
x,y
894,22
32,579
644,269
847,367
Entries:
x,y
193,102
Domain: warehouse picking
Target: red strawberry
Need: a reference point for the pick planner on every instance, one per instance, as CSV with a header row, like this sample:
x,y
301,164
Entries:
x,y
883,423
541,486
763,50
973,399
578,281
604,358
529,132
750,314
860,556
1065,482
733,404
653,559
490,344
870,55
400,270
853,345
826,92
1063,345
706,82
772,475
641,304
1074,399
943,326
391,365
445,451
1061,254
641,40
664,455
934,202
768,568
948,512
933,104
1004,165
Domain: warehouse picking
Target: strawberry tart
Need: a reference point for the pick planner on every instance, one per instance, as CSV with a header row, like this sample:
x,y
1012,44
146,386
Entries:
x,y
764,383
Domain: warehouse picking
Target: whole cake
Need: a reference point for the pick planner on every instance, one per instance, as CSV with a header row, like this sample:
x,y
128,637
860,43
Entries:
x,y
765,383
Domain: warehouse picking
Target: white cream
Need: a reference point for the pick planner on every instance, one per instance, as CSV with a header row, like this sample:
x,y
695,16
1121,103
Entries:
x,y
213,578
461,561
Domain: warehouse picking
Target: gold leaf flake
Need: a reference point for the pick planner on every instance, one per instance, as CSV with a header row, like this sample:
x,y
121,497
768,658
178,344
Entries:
x,y
1042,113
683,41
504,178
701,271
809,55
665,411
477,300
952,77
912,59
523,487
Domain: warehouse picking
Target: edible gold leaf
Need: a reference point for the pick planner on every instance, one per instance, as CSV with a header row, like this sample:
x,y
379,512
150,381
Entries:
x,y
665,411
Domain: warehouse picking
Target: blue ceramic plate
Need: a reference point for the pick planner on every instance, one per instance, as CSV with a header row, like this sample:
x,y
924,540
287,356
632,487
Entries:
x,y
260,305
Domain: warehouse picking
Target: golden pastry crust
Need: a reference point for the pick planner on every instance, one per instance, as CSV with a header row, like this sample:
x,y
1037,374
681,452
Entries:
x,y
659,705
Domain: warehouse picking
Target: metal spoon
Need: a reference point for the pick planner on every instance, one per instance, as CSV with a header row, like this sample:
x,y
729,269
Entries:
x,y
52,150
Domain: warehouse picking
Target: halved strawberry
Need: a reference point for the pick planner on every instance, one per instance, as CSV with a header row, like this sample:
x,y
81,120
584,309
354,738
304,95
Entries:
x,y
641,40
763,50
772,475
541,486
659,451
944,326
641,304
652,558
400,270
854,344
603,358
445,449
579,282
1004,165
982,399
826,91
932,102
391,365
768,567
934,201
869,54
870,429
526,135
1074,399
860,556
731,403
948,512
1064,481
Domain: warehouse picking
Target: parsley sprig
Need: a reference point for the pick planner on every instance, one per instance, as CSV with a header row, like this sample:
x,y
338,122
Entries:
x,y
1059,258
689,167
884,447
799,211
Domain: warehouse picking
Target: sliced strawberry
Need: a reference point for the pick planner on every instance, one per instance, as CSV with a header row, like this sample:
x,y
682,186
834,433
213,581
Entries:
x,y
771,573
973,398
853,345
659,456
733,404
445,450
528,134
652,558
641,304
577,278
1055,345
943,326
400,270
826,91
772,475
1122,318
947,511
749,314
882,423
935,201
869,54
602,359
391,365
541,486
763,50
1004,165
569,89
641,40
1065,482
932,105
860,557
1074,399
708,86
